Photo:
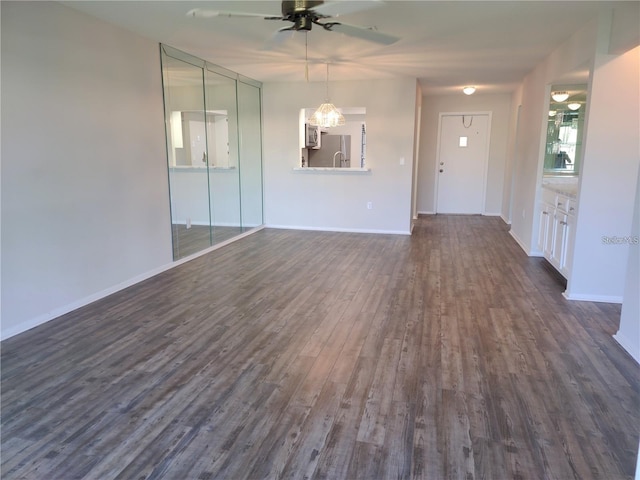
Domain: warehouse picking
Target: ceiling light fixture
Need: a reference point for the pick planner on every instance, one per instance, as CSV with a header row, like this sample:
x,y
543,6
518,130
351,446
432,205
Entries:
x,y
327,115
573,106
552,113
559,96
469,90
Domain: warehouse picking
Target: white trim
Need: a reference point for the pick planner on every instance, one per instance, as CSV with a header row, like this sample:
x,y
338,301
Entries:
x,y
487,214
628,348
330,169
593,298
522,245
505,220
57,312
339,230
486,156
206,224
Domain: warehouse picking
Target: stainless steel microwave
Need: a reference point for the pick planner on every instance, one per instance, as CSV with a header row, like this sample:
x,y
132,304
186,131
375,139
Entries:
x,y
312,136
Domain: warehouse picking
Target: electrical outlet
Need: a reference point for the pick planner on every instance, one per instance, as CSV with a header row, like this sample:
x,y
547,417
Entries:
x,y
401,160
524,215
369,205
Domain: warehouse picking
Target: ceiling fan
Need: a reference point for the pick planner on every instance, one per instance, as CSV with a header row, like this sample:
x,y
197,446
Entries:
x,y
303,14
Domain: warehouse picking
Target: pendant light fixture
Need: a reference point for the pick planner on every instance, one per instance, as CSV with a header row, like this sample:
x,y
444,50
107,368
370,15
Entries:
x,y
327,115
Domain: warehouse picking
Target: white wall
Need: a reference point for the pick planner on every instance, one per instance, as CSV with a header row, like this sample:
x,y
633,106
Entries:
x,y
338,200
511,166
629,333
417,132
84,181
432,106
570,57
608,179
613,31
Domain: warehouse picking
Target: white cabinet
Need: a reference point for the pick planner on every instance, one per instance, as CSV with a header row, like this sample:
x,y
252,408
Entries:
x,y
567,224
556,229
546,217
559,239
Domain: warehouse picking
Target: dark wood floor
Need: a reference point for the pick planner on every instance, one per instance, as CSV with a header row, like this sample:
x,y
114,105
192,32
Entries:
x,y
447,354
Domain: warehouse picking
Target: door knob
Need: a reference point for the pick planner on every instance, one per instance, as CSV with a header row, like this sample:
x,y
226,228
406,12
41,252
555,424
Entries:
x,y
441,163
441,170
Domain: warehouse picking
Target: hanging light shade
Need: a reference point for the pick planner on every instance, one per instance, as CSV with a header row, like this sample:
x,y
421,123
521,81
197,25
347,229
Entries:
x,y
327,115
560,96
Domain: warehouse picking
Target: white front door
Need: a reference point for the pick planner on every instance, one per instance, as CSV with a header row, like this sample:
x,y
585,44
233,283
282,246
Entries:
x,y
462,163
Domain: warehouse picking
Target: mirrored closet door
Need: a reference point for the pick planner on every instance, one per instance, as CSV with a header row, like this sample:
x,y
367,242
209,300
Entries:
x,y
214,154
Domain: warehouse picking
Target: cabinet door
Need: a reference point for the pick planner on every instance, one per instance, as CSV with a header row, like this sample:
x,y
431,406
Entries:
x,y
550,235
543,227
559,241
567,244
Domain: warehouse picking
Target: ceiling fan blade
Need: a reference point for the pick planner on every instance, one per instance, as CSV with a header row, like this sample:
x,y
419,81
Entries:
x,y
278,38
205,13
363,33
335,9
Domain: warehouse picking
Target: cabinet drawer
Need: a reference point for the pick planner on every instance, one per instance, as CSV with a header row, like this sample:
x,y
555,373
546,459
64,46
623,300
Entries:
x,y
566,204
561,203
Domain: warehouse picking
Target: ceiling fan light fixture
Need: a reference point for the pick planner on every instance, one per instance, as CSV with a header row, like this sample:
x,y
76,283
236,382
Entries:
x,y
573,106
559,96
327,115
469,90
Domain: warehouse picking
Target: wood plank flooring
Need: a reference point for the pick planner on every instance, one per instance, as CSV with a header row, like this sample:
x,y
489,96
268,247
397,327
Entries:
x,y
196,238
288,354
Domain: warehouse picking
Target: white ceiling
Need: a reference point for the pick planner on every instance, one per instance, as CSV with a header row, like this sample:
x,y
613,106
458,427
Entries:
x,y
445,44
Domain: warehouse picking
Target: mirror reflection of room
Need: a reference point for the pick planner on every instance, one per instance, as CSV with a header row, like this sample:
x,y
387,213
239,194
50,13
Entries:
x,y
214,152
335,147
191,139
565,125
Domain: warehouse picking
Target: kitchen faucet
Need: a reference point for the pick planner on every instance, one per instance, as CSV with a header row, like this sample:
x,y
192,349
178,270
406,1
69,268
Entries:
x,y
341,160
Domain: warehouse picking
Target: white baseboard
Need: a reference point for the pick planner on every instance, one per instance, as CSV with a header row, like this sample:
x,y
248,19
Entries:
x,y
206,224
486,214
628,346
521,244
505,220
339,230
581,297
56,312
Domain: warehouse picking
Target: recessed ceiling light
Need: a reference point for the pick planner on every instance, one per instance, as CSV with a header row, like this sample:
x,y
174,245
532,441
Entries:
x,y
469,90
